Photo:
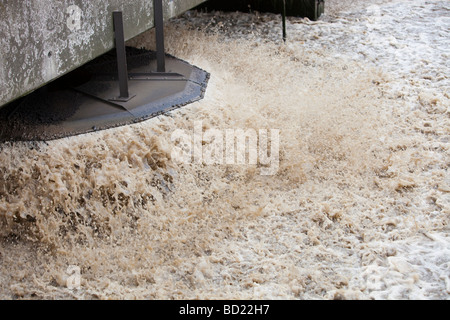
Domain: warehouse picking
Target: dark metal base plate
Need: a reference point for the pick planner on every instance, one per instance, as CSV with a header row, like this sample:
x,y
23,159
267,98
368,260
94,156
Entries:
x,y
88,99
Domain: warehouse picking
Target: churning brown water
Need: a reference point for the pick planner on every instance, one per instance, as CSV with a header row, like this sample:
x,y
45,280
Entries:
x,y
359,206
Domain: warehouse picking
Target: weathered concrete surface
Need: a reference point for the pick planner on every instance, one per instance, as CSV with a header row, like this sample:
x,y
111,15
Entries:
x,y
41,40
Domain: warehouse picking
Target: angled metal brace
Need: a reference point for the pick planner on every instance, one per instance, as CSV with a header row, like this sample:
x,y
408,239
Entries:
x,y
159,27
121,58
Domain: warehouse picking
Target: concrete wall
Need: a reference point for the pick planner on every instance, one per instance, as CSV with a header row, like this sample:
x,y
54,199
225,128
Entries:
x,y
40,40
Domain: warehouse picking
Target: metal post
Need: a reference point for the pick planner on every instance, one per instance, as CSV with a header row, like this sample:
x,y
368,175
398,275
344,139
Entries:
x,y
284,20
121,57
159,26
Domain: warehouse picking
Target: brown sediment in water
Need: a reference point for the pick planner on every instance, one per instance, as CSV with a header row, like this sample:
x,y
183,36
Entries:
x,y
356,175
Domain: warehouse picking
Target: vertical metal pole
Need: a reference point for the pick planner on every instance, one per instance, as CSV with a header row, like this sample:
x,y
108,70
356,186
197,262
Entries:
x,y
159,26
284,21
121,55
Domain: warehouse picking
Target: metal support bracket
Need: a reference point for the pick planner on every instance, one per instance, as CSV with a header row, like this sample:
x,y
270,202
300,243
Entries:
x,y
121,58
159,27
122,68
123,77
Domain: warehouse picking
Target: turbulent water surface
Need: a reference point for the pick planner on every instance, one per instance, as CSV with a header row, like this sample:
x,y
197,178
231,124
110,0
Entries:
x,y
359,207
